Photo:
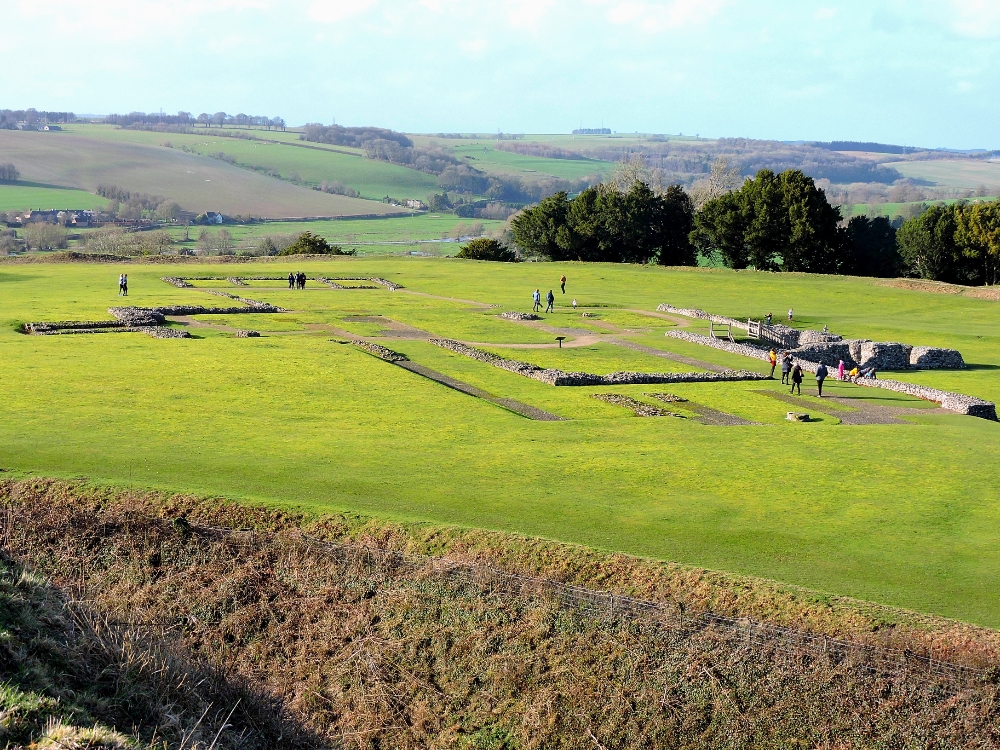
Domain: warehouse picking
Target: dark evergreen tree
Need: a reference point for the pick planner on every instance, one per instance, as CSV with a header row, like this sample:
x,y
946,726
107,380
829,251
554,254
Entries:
x,y
870,248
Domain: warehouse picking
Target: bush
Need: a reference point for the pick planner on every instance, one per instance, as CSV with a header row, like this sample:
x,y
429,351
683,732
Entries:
x,y
311,244
484,248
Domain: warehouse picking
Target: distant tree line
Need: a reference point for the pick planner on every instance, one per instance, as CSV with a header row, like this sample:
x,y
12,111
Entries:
x,y
772,222
10,118
959,243
9,173
186,119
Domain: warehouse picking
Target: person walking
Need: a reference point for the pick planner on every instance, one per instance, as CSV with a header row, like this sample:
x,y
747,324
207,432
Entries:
x,y
125,285
562,283
121,284
789,315
796,379
840,370
767,319
772,357
291,280
536,299
550,302
821,373
574,303
786,367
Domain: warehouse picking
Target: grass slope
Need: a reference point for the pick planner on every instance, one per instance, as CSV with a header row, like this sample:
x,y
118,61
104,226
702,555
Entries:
x,y
84,157
904,514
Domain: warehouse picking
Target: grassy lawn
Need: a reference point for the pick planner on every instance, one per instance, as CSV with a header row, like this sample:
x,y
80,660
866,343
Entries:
x,y
904,514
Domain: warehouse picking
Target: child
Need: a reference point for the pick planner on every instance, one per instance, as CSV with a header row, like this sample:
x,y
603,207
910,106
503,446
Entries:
x,y
574,303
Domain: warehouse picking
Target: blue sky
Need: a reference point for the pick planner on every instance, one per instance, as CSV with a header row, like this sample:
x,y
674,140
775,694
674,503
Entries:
x,y
914,72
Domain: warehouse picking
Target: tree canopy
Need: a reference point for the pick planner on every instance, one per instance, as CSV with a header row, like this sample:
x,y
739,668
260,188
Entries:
x,y
608,225
483,248
773,222
308,243
959,244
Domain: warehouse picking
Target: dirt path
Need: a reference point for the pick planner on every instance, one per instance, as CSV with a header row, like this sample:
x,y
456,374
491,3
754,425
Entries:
x,y
517,407
853,411
714,417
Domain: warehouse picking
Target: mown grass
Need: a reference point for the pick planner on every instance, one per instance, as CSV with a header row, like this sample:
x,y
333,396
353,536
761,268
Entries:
x,y
901,514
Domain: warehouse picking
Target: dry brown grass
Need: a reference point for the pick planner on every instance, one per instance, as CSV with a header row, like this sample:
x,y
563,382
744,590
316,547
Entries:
x,y
363,652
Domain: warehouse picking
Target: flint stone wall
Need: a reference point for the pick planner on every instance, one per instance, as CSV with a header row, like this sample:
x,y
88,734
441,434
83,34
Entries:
x,y
829,348
929,357
956,402
176,281
558,377
247,334
512,315
380,351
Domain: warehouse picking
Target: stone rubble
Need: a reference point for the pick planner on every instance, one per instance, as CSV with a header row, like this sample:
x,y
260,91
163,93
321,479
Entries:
x,y
637,407
247,334
236,281
519,316
177,282
380,351
956,402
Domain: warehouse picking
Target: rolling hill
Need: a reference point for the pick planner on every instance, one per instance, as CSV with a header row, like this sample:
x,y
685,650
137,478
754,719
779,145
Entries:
x,y
75,158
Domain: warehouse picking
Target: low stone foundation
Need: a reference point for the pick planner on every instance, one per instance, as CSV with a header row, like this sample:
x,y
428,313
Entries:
x,y
558,377
637,407
177,282
380,351
247,334
519,316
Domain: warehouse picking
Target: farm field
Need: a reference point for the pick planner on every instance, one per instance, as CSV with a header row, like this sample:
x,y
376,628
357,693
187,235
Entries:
x,y
432,233
952,173
84,157
902,513
18,197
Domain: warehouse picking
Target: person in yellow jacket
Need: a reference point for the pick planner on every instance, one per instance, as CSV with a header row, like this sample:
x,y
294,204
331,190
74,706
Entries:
x,y
772,357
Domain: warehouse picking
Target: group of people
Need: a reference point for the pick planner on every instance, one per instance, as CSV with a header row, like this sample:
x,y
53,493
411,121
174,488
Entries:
x,y
550,298
123,285
297,280
792,372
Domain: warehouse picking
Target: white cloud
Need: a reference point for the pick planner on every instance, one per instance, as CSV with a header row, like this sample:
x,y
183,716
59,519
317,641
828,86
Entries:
x,y
528,14
474,46
332,11
653,16
979,19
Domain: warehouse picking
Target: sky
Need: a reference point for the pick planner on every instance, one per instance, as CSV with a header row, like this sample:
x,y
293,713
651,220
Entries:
x,y
910,72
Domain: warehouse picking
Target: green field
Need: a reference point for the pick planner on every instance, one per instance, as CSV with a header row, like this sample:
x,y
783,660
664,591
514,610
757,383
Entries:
x,y
85,156
21,196
959,173
904,514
